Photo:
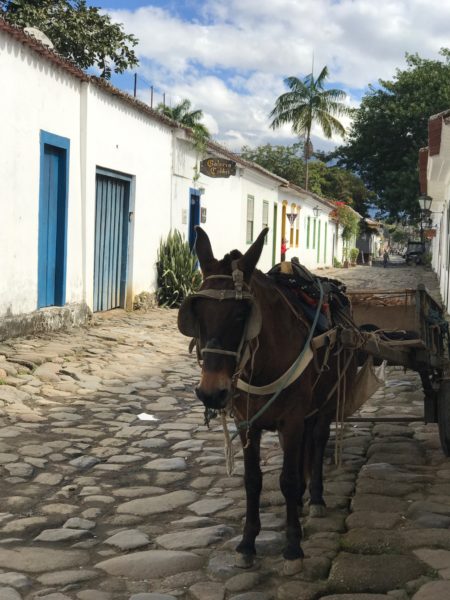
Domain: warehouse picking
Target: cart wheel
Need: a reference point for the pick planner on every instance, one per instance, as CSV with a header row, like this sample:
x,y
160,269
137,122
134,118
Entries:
x,y
444,415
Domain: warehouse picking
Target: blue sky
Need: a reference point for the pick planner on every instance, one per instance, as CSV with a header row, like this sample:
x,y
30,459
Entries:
x,y
230,58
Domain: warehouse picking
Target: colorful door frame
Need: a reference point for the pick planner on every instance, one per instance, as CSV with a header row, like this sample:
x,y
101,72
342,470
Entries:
x,y
53,212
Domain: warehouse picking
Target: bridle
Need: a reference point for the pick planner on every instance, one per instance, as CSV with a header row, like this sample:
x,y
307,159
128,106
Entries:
x,y
241,292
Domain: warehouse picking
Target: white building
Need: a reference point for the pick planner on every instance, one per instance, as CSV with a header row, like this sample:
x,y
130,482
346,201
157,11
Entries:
x,y
434,172
92,179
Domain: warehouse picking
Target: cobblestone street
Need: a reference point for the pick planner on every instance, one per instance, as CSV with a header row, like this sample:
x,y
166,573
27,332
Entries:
x,y
113,489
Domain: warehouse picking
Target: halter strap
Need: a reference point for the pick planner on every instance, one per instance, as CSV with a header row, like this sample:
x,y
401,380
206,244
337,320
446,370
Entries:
x,y
238,293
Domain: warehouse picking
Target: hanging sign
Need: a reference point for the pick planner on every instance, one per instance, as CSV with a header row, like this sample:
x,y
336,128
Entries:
x,y
291,217
217,167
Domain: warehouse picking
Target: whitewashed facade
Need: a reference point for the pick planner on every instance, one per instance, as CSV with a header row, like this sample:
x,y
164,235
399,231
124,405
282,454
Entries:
x,y
73,147
435,182
312,235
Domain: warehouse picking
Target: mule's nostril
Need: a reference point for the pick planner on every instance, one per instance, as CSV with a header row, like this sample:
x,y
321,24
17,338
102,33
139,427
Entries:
x,y
199,393
222,396
217,399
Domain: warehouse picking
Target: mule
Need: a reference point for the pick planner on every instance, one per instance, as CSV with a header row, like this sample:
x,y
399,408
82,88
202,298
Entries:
x,y
247,334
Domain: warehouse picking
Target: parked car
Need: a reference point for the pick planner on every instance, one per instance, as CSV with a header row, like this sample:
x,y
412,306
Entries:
x,y
414,252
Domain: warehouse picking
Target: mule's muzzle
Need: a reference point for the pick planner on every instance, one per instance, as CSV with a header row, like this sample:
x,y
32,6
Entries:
x,y
216,399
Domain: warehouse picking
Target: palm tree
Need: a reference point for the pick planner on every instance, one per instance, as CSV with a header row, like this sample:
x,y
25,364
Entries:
x,y
307,102
183,114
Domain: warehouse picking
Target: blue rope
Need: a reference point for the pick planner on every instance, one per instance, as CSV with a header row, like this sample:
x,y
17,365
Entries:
x,y
262,410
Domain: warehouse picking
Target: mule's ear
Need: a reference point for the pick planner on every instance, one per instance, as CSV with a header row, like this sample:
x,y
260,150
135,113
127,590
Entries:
x,y
203,248
251,257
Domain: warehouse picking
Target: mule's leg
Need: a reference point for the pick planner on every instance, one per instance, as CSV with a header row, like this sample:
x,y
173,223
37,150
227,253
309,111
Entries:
x,y
304,465
320,436
253,483
290,487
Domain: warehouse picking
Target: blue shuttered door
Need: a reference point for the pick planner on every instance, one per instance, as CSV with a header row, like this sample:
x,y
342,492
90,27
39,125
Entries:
x,y
194,215
111,242
52,227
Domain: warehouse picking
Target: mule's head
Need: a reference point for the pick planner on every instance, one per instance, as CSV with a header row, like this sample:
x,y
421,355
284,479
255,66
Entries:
x,y
221,322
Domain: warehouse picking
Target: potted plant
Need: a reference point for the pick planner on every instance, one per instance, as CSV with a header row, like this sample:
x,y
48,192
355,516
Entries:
x,y
354,253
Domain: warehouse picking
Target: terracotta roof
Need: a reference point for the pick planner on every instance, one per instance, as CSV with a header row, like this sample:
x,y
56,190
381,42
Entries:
x,y
373,224
52,56
63,63
435,131
59,61
423,163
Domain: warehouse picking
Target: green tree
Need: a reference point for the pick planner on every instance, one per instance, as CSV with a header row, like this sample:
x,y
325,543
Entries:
x,y
389,128
344,186
183,114
78,32
285,161
349,221
332,182
306,102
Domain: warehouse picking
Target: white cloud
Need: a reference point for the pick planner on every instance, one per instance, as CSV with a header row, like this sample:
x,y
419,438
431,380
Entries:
x,y
232,58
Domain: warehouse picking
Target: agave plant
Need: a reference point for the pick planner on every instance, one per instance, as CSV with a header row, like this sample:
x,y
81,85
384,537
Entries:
x,y
178,274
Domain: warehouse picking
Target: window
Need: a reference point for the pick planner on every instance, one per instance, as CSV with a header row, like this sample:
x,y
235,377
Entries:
x,y
308,229
314,233
318,240
265,216
325,236
250,217
297,230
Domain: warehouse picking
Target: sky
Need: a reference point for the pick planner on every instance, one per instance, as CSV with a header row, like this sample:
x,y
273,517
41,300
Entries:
x,y
230,58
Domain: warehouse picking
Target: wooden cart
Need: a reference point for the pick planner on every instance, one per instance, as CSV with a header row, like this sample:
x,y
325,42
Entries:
x,y
427,350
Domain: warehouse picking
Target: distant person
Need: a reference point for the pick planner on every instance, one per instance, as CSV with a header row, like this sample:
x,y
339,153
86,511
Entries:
x,y
385,258
283,249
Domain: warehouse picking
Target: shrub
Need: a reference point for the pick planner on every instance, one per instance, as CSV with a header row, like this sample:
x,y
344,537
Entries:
x,y
354,253
178,275
337,263
426,259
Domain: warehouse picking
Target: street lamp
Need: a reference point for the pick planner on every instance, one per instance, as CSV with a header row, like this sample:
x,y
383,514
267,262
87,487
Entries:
x,y
316,211
425,206
425,203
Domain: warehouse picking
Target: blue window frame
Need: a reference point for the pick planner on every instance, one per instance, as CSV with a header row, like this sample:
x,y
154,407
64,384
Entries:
x,y
53,209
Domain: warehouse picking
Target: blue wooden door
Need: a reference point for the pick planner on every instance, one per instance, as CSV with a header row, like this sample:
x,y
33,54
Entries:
x,y
194,215
111,241
52,227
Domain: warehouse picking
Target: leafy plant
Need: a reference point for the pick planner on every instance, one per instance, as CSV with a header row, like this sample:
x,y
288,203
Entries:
x,y
389,128
337,263
353,253
426,259
178,275
81,33
307,102
200,135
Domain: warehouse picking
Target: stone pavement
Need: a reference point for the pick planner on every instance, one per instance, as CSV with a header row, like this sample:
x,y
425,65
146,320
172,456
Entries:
x,y
113,489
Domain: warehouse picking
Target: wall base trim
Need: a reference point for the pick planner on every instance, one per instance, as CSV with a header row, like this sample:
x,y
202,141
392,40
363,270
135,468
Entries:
x,y
52,318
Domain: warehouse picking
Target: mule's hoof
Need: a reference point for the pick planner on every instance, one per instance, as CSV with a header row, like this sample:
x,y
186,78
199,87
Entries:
x,y
244,561
316,511
291,567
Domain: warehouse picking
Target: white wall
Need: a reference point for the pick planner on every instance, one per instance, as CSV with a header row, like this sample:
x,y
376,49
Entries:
x,y
35,96
106,132
121,139
438,185
225,200
312,252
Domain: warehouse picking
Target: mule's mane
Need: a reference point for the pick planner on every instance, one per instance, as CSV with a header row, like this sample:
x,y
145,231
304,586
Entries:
x,y
226,261
258,277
